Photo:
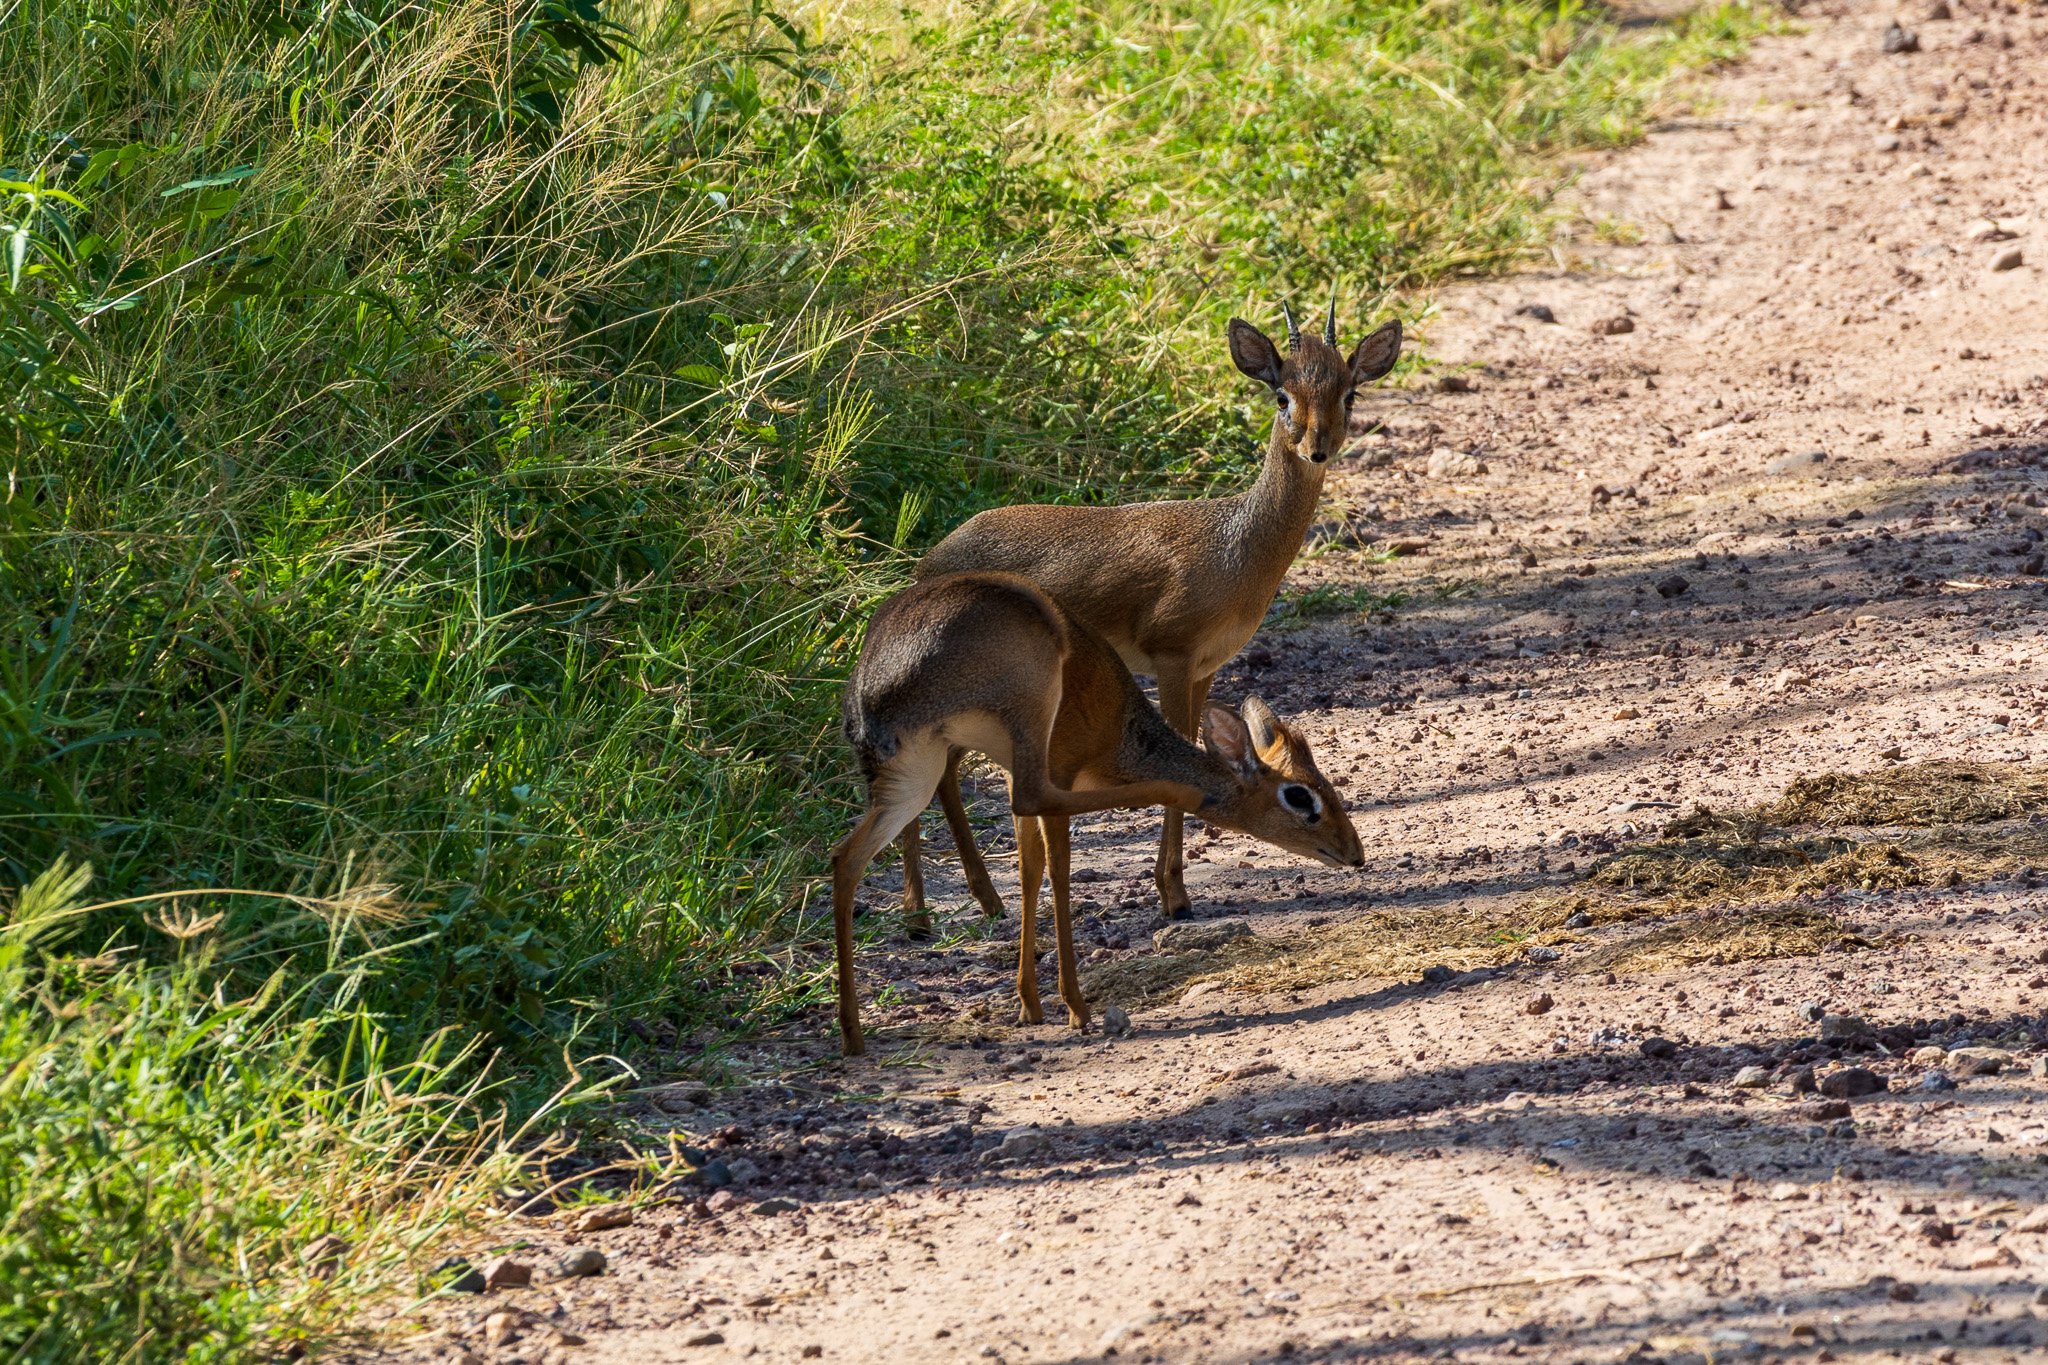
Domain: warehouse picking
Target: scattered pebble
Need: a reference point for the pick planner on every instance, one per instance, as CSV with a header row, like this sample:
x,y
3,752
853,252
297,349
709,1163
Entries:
x,y
1614,326
604,1217
2008,259
1658,1048
1540,312
580,1262
1539,1004
1851,1082
1115,1022
1900,40
1447,463
1751,1078
505,1273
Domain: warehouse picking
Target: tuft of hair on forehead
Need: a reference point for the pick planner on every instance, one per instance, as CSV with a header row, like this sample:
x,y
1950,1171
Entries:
x,y
1315,365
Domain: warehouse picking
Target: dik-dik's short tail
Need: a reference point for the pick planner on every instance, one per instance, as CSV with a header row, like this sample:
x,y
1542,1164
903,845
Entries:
x,y
873,743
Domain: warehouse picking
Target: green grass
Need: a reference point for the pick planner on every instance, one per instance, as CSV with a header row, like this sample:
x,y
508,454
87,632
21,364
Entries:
x,y
455,446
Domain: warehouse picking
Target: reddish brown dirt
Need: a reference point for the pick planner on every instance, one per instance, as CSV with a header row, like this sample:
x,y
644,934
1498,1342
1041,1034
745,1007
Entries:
x,y
1383,1169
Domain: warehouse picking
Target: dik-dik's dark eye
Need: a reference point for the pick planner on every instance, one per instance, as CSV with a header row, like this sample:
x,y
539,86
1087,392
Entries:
x,y
1302,801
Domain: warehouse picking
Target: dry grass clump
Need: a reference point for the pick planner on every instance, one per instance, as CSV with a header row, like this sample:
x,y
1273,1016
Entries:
x,y
1721,937
1385,943
1710,869
1917,794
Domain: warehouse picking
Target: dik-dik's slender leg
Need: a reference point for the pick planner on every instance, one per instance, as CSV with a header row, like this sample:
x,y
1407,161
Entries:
x,y
1030,872
849,861
971,865
917,921
1058,855
1176,693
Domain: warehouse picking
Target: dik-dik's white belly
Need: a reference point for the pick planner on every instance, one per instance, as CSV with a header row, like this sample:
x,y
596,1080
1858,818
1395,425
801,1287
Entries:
x,y
981,732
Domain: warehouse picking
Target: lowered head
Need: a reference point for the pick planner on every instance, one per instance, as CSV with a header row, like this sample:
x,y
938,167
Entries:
x,y
1314,384
1281,796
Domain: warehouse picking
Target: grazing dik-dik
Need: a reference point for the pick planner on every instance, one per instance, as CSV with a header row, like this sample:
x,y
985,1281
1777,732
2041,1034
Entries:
x,y
988,662
1177,588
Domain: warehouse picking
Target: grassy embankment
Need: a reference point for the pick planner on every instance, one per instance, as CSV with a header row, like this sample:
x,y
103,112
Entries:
x,y
449,450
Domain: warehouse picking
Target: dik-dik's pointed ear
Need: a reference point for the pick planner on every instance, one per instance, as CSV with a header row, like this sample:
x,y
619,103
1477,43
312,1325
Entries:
x,y
1268,735
1254,354
1226,737
1376,354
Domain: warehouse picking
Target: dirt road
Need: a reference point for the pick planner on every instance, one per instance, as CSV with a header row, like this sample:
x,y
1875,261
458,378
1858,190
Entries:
x,y
1778,517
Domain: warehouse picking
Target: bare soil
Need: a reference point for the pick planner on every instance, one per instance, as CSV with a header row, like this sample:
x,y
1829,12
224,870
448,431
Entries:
x,y
1787,525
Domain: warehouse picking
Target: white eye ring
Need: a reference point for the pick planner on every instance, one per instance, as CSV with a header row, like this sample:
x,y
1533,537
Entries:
x,y
1301,801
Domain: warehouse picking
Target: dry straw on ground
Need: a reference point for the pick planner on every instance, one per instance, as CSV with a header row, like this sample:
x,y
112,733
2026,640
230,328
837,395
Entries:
x,y
1717,888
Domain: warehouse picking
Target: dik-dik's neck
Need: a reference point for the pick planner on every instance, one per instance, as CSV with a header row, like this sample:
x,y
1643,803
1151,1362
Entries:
x,y
1278,507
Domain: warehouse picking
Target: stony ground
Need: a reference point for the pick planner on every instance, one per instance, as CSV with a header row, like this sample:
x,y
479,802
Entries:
x,y
1744,488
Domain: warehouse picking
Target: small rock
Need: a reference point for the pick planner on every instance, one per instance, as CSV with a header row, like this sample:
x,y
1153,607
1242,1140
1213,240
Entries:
x,y
1803,463
505,1273
723,1200
1938,11
2039,1069
1542,952
458,1276
2034,1221
1579,920
1658,1048
1614,327
705,1339
1453,383
2009,259
1024,1141
1115,1022
1888,142
604,1217
502,1329
1812,1012
778,1204
1902,1292
1800,1081
580,1262
1937,1232
1699,1251
1927,1056
1898,40
1437,976
1539,1004
1979,1061
1751,1078
1937,1081
1672,586
1448,463
1851,1082
1200,935
1841,1028
1540,312
1892,754
1824,1111
1786,1190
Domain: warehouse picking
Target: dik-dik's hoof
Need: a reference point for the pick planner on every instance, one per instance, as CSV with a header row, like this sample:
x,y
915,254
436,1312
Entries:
x,y
917,924
1180,912
1030,1014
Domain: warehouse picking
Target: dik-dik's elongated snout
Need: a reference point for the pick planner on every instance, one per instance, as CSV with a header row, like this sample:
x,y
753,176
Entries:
x,y
1282,797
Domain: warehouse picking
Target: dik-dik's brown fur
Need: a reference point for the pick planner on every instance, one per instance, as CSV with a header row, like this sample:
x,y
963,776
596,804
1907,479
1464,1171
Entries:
x,y
1176,588
986,661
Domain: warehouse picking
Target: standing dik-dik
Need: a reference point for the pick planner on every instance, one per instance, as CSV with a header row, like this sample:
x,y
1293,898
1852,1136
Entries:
x,y
1177,588
986,661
